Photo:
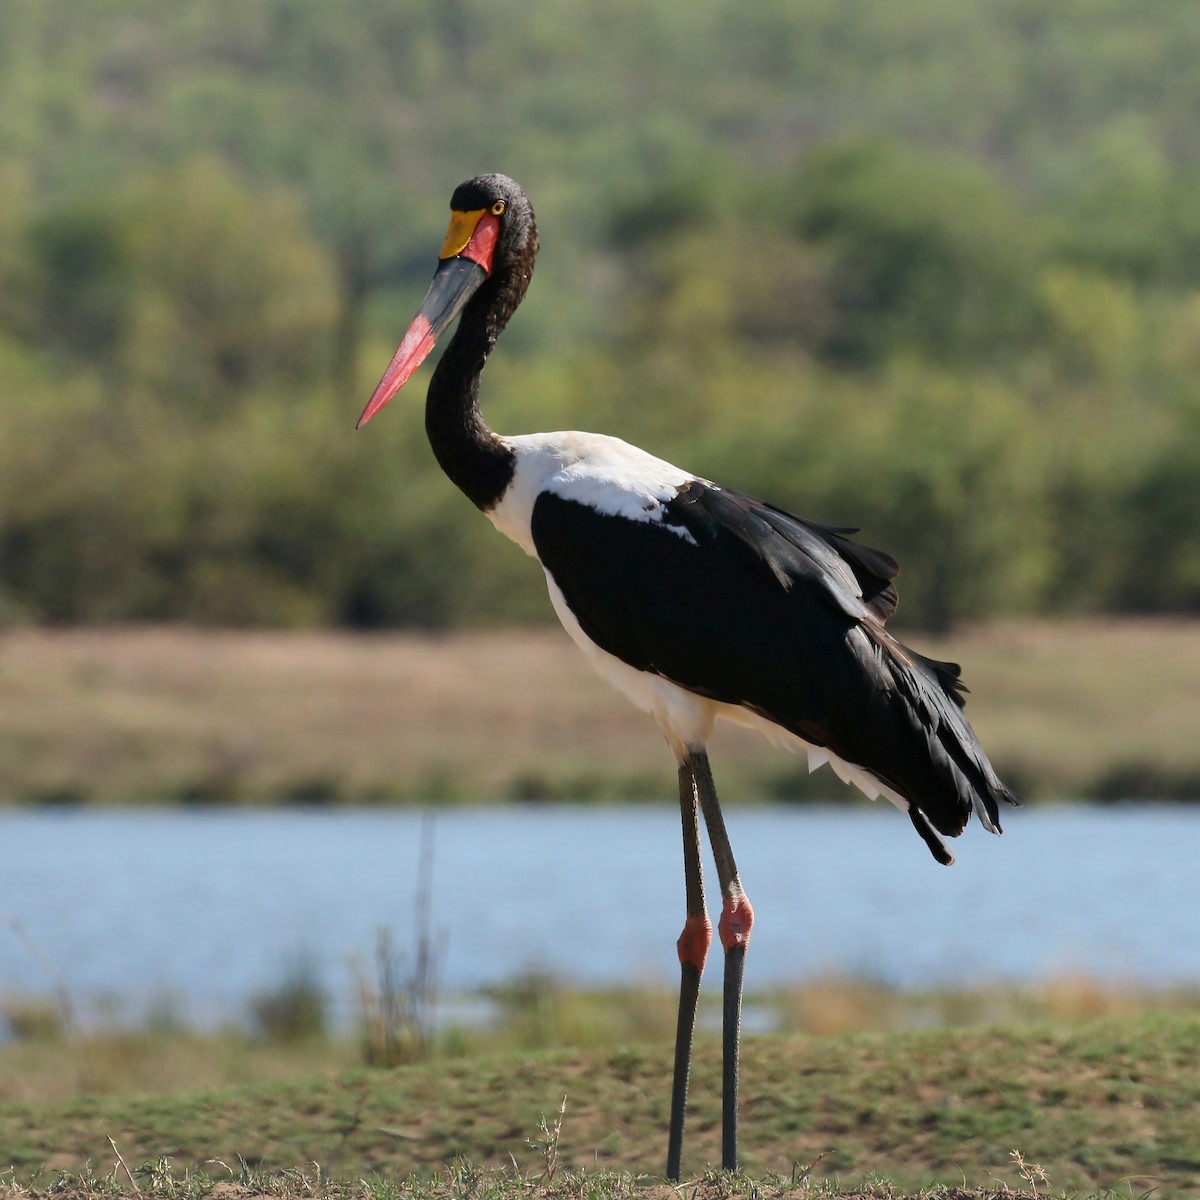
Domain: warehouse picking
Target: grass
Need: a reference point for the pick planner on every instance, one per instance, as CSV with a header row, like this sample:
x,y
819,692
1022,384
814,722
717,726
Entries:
x,y
466,1181
1097,1105
1096,708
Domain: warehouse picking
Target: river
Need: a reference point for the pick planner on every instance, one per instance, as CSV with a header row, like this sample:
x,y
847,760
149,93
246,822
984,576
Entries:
x,y
210,906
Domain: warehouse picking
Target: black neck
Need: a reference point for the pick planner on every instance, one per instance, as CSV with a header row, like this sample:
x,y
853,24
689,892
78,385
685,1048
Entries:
x,y
477,461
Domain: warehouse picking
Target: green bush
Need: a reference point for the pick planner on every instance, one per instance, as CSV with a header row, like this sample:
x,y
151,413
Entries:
x,y
936,277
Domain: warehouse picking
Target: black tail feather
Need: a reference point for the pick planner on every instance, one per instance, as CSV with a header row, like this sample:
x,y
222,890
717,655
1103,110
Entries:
x,y
930,837
949,776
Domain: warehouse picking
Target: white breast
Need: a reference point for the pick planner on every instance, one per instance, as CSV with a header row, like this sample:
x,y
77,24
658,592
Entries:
x,y
605,473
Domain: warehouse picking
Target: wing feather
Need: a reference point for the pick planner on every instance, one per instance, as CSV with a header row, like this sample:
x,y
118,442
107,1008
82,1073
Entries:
x,y
747,604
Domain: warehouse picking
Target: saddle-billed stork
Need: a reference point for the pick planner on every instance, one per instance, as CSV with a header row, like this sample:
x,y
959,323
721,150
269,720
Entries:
x,y
695,601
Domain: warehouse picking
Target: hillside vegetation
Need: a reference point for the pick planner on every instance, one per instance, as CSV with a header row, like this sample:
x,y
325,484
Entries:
x,y
931,269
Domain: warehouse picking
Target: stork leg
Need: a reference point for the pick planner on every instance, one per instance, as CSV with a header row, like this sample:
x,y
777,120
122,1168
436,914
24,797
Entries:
x,y
693,946
734,929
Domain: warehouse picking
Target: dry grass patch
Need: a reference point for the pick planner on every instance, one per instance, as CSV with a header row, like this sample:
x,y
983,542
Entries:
x,y
464,1181
138,714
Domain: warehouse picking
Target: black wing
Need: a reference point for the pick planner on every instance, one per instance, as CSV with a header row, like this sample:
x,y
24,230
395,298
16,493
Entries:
x,y
749,605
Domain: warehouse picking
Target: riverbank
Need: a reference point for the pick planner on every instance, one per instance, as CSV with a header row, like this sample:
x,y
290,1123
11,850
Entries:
x,y
1099,708
1101,1104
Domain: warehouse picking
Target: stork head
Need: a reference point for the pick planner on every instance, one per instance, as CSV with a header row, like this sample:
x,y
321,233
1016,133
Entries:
x,y
492,237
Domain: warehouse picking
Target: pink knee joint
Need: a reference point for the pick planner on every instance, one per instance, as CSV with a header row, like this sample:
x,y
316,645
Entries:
x,y
736,918
694,941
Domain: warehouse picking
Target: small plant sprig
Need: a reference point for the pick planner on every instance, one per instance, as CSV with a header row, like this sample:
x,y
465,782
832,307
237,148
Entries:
x,y
400,1015
802,1176
1032,1173
124,1165
547,1143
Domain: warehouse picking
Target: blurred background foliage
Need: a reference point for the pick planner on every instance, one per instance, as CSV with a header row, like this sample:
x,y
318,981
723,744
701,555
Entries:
x,y
930,269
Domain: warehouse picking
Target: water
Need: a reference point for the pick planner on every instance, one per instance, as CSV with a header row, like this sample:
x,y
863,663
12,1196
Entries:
x,y
213,906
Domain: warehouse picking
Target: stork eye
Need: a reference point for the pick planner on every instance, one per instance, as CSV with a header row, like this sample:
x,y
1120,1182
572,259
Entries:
x,y
498,208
